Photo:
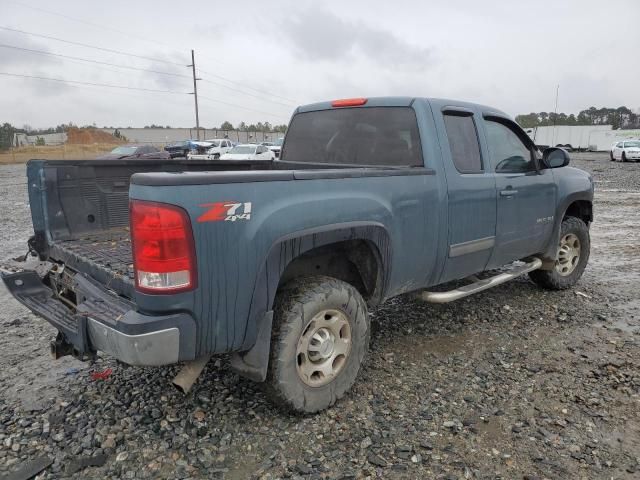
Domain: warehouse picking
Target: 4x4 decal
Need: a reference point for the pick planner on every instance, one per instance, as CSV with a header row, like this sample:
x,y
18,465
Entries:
x,y
229,211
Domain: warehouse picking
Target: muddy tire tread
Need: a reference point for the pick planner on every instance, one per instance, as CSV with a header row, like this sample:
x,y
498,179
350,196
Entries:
x,y
550,279
288,311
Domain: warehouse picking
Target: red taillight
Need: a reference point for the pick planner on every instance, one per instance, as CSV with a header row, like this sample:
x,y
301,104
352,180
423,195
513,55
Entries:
x,y
164,257
349,102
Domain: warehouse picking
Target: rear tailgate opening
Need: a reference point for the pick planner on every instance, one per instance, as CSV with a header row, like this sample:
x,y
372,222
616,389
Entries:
x,y
81,212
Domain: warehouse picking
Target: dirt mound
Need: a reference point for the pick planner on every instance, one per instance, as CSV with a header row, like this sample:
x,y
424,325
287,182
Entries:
x,y
85,136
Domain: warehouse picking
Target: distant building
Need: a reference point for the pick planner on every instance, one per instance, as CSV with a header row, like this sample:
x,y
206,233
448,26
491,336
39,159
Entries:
x,y
24,140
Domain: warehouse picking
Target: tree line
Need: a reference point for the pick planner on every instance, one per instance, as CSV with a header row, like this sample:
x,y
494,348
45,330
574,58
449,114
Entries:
x,y
242,126
621,117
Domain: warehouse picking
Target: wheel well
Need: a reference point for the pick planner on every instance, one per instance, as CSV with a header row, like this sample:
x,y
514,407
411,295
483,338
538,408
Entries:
x,y
581,209
353,261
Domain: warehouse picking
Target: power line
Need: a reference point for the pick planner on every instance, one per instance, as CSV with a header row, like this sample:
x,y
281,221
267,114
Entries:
x,y
240,106
288,105
118,52
97,25
97,62
62,80
42,52
15,30
250,87
124,87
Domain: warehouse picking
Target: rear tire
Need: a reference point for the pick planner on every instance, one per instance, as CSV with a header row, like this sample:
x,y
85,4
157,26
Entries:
x,y
320,338
611,156
572,257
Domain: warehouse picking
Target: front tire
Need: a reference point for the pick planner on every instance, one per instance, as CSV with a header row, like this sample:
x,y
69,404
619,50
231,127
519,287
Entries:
x,y
624,157
320,338
572,257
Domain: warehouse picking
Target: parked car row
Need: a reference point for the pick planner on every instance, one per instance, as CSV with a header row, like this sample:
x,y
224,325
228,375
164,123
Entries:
x,y
215,149
625,151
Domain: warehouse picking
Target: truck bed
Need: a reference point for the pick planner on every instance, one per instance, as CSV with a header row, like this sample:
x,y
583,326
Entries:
x,y
104,255
80,211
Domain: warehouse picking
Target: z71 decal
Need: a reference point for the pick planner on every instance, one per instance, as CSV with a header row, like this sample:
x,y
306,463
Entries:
x,y
229,211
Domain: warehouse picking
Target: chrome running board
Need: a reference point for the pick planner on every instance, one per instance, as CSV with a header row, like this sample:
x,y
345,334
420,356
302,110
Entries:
x,y
480,285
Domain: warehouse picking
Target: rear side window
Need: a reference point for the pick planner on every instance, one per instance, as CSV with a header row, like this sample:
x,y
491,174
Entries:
x,y
375,136
463,142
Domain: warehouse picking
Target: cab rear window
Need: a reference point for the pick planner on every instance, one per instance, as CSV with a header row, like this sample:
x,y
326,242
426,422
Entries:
x,y
374,136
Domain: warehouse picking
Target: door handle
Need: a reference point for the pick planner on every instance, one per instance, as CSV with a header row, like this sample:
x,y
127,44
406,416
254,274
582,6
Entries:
x,y
509,192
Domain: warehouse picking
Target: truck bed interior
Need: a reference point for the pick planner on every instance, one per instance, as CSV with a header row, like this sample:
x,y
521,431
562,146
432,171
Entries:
x,y
86,207
104,255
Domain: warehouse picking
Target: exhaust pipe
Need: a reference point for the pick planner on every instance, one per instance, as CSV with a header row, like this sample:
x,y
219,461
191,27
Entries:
x,y
188,375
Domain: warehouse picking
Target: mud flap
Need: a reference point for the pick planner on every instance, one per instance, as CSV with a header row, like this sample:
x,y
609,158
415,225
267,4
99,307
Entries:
x,y
253,363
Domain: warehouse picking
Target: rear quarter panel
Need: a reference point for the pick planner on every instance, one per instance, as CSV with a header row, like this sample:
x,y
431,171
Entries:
x,y
232,254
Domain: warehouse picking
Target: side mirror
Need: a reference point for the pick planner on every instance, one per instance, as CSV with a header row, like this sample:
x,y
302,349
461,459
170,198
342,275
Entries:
x,y
555,157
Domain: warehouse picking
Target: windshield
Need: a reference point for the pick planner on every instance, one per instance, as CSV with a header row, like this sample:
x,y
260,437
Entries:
x,y
632,144
355,136
215,144
124,150
243,150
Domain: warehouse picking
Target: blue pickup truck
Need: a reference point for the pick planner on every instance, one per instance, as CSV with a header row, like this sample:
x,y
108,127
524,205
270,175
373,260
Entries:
x,y
278,264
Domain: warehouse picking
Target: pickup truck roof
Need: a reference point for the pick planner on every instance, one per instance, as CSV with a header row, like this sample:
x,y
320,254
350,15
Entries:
x,y
403,102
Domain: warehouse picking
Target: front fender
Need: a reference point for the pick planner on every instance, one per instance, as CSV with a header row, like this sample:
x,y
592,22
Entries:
x,y
583,192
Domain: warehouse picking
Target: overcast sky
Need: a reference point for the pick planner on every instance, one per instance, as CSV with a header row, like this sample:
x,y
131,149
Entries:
x,y
268,56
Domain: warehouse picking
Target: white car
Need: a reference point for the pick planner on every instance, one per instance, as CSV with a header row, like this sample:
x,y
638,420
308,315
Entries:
x,y
626,150
275,147
249,151
215,150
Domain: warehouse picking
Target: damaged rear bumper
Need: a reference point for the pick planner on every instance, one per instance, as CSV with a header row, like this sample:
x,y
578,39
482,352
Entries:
x,y
102,321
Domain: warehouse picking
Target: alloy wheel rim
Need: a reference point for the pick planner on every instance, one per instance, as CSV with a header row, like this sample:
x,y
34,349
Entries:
x,y
323,348
568,254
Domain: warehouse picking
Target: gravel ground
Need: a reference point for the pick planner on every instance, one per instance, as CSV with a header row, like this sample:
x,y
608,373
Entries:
x,y
515,383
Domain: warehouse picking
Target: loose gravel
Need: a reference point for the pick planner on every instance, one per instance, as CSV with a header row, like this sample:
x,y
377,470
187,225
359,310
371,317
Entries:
x,y
514,383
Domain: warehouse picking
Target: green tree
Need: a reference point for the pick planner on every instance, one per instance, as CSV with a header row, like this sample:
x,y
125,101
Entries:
x,y
6,135
226,126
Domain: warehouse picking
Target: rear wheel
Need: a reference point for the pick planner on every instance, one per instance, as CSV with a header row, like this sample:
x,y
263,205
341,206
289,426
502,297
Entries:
x,y
611,156
572,257
320,338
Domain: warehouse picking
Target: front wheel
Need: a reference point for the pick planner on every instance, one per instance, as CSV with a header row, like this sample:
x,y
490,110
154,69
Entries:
x,y
572,257
319,341
624,157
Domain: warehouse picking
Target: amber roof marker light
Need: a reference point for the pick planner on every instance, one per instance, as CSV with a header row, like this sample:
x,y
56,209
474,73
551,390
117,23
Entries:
x,y
349,102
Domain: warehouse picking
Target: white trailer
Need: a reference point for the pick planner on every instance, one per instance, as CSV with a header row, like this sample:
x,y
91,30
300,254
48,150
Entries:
x,y
575,137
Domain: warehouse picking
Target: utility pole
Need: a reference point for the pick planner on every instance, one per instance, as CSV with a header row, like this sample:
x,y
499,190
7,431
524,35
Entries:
x,y
555,117
195,92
